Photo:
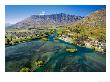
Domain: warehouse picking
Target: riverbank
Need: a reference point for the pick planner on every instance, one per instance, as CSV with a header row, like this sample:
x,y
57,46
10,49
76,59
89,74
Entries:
x,y
93,44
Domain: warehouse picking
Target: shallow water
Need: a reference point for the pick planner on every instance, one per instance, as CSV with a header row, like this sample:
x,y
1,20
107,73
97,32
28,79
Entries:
x,y
56,57
53,52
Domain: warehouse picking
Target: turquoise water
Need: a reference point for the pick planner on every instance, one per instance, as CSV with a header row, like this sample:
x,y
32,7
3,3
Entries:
x,y
53,52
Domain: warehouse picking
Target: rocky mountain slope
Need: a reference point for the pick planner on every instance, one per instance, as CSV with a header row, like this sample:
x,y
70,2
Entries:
x,y
95,19
36,21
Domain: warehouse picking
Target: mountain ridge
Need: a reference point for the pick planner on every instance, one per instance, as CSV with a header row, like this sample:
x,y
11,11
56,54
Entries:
x,y
34,21
95,19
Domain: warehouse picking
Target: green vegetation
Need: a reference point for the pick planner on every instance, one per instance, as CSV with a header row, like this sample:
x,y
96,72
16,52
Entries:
x,y
24,69
44,39
51,31
59,31
32,66
36,64
8,39
71,50
14,38
39,63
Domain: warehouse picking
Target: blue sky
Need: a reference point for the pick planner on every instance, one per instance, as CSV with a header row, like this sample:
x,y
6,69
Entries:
x,y
16,13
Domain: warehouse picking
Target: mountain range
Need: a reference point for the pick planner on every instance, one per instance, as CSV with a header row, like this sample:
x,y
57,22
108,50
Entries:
x,y
36,21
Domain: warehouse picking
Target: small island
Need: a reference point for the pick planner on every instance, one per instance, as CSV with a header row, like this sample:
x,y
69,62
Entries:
x,y
71,50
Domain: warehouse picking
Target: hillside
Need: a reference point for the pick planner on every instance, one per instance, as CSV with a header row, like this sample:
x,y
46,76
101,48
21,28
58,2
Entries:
x,y
90,31
95,19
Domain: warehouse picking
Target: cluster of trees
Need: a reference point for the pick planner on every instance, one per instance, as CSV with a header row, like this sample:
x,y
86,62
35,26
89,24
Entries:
x,y
18,36
32,66
11,39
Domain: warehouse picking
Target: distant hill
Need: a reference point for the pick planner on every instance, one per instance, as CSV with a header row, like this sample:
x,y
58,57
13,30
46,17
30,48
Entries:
x,y
95,19
36,21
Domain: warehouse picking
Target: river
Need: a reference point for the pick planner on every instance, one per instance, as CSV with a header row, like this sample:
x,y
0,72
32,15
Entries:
x,y
55,55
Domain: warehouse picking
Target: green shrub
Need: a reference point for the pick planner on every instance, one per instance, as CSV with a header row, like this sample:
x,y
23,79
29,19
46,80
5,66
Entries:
x,y
24,69
44,39
39,63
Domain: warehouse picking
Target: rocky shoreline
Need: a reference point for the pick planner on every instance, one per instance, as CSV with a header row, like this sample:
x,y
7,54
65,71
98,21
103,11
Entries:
x,y
93,44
